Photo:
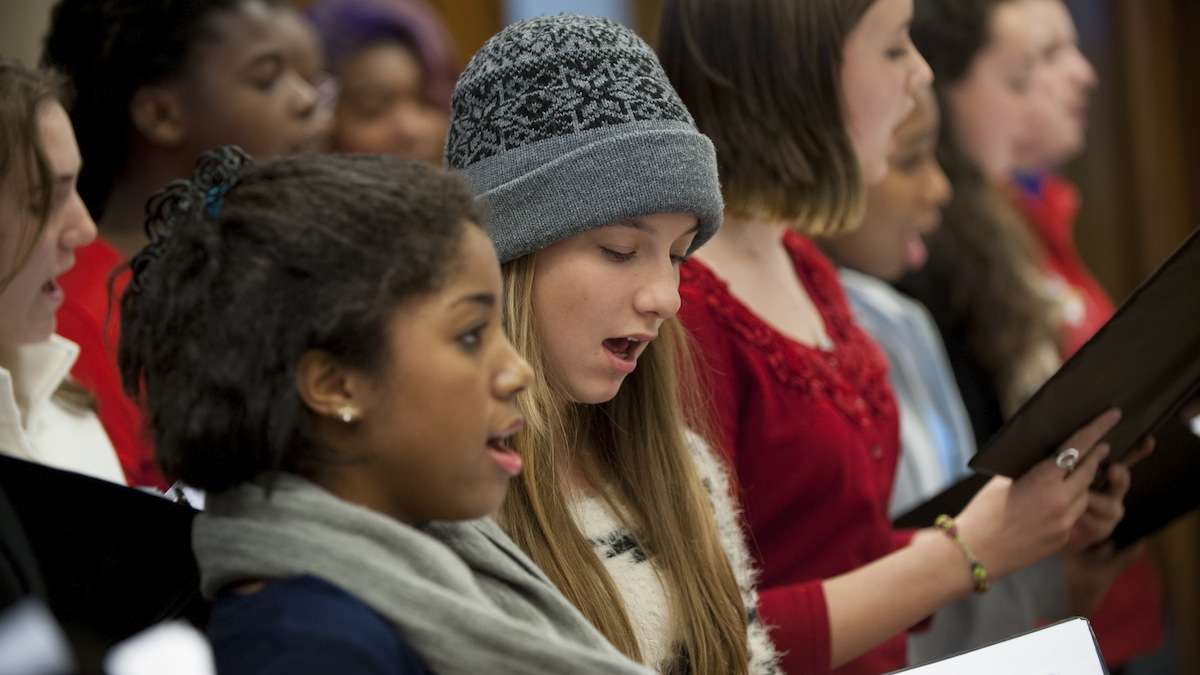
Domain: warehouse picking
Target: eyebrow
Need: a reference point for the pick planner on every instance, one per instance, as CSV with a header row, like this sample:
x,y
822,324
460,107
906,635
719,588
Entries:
x,y
273,55
640,225
485,299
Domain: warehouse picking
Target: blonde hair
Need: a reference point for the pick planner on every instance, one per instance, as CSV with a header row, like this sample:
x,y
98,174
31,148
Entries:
x,y
644,470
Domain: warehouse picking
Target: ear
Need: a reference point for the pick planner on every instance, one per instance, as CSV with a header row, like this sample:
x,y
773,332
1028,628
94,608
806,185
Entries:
x,y
330,389
158,114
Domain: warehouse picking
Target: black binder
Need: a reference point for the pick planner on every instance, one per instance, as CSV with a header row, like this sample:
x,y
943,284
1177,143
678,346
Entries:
x,y
114,560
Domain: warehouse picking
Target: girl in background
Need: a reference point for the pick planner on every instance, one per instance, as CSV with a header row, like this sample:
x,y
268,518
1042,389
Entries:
x,y
156,84
935,433
395,67
1013,89
45,416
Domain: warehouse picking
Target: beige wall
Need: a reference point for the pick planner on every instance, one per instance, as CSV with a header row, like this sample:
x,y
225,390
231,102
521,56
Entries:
x,y
22,25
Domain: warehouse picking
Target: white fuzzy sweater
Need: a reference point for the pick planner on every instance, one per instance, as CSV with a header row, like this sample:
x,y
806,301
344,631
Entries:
x,y
640,586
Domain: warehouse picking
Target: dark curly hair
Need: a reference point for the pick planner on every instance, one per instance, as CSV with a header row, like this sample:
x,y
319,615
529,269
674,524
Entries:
x,y
248,268
982,276
109,49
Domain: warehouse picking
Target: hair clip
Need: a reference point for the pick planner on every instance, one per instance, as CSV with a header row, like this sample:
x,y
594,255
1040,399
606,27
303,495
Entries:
x,y
214,199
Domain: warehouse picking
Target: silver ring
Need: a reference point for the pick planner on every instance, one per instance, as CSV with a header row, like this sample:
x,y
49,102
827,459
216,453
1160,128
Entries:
x,y
1067,459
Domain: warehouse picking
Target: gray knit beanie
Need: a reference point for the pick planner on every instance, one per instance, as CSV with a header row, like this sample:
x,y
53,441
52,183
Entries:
x,y
563,124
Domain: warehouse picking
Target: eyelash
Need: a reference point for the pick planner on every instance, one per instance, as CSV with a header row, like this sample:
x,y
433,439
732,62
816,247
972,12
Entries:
x,y
267,81
619,257
896,53
472,340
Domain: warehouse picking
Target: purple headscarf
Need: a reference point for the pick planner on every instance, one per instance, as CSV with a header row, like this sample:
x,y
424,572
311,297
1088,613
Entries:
x,y
349,26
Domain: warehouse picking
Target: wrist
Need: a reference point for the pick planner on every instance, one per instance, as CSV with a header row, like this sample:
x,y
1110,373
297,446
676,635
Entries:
x,y
980,580
944,561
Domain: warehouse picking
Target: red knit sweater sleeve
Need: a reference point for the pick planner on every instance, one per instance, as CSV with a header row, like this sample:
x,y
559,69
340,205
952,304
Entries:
x,y
798,618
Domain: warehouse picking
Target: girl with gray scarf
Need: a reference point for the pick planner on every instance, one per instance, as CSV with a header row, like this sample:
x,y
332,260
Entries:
x,y
317,341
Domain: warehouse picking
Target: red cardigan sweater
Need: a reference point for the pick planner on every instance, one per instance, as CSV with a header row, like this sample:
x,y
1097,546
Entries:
x,y
1129,620
812,438
84,320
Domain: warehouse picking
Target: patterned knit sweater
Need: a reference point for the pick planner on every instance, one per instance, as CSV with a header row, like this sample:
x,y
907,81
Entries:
x,y
641,587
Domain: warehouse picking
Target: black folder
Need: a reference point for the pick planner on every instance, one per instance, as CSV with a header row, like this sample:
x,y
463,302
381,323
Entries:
x,y
114,560
1146,361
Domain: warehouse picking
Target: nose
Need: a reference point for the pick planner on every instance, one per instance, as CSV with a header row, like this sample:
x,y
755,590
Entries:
x,y
659,294
1087,72
514,374
306,96
937,187
922,74
80,229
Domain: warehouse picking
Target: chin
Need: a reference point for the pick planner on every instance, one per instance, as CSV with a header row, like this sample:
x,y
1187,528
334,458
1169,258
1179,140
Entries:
x,y
486,503
595,393
38,333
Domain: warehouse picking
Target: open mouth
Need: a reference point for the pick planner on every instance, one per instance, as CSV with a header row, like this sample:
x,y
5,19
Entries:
x,y
915,253
501,450
626,348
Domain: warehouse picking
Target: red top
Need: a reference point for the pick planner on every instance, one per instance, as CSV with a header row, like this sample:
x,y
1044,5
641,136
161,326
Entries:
x,y
812,437
1129,621
82,320
1051,213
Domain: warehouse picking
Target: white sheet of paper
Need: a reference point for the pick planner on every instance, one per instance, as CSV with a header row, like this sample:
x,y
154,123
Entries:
x,y
1064,648
31,643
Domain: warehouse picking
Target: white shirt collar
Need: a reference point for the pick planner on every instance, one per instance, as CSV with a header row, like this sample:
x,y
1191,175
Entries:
x,y
29,376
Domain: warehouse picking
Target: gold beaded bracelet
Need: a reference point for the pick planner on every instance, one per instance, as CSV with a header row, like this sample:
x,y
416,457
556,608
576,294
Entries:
x,y
978,572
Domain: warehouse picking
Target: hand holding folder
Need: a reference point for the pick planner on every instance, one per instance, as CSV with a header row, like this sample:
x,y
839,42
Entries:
x,y
1146,361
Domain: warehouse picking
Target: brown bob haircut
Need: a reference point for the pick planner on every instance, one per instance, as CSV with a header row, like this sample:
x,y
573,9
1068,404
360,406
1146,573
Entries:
x,y
22,91
763,80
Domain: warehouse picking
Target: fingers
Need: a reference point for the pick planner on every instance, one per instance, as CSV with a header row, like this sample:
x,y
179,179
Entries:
x,y
1103,512
1119,480
1143,451
1091,433
1085,472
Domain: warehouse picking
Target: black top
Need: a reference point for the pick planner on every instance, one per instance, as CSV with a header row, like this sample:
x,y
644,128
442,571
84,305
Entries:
x,y
306,626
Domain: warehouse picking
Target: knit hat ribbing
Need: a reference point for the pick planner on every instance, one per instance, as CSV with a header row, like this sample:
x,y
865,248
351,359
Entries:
x,y
566,123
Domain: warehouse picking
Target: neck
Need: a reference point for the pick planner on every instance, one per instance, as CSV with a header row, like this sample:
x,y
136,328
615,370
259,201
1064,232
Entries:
x,y
124,217
745,239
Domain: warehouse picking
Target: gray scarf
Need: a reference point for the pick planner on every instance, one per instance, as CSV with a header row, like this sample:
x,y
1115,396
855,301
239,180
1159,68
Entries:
x,y
462,594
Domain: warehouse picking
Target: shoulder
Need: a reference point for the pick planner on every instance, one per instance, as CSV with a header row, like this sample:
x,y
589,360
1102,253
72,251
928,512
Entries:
x,y
885,312
713,475
306,625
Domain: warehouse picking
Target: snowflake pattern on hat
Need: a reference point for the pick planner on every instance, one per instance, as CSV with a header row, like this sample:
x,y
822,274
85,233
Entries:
x,y
555,76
